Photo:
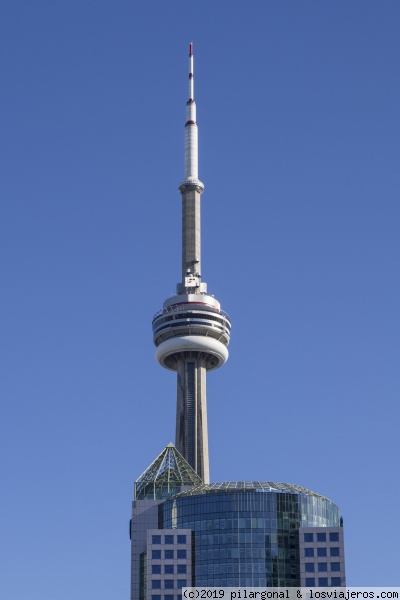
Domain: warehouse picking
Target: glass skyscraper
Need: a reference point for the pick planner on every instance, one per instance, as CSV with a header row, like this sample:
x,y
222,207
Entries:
x,y
247,533
234,534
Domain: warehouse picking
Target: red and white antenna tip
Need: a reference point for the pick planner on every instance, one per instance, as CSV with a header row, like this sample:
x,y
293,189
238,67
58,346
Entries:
x,y
190,49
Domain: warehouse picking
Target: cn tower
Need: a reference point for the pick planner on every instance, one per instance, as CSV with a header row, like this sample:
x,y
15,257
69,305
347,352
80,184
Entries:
x,y
191,332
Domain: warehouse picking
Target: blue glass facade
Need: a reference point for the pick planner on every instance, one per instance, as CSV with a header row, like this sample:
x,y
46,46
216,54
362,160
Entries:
x,y
247,537
232,534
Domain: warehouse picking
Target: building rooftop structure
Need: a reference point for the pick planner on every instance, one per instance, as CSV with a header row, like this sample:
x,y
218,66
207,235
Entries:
x,y
166,476
247,486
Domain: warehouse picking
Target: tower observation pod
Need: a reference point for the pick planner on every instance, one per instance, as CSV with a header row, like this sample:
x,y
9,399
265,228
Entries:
x,y
191,332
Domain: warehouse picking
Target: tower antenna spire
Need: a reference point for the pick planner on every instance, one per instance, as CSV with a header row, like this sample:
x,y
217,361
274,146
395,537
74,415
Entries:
x,y
191,332
191,134
191,78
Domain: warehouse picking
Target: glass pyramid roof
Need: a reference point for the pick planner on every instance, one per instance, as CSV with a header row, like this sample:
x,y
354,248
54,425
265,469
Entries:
x,y
167,475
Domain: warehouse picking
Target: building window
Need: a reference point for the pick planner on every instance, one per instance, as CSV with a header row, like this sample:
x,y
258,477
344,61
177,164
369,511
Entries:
x,y
334,536
321,551
168,597
143,575
169,569
336,581
322,567
155,554
181,553
182,583
310,581
323,581
309,567
308,537
335,566
321,537
169,584
181,569
156,597
335,551
308,551
169,554
156,539
181,539
169,539
156,569
156,584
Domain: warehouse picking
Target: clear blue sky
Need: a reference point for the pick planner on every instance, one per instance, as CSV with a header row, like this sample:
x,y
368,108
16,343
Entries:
x,y
299,132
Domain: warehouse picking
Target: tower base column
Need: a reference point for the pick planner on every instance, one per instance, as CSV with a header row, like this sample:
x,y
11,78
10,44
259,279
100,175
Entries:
x,y
191,415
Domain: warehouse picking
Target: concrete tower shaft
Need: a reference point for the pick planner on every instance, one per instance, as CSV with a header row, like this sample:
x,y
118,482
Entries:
x,y
191,235
191,332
